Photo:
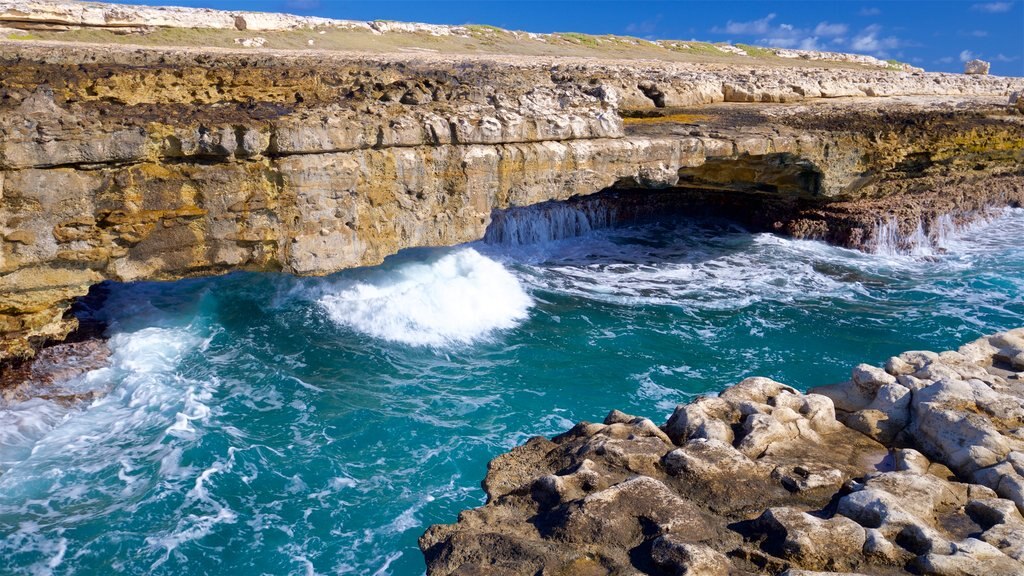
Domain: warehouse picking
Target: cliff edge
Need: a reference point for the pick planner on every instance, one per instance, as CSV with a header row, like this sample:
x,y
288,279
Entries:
x,y
137,163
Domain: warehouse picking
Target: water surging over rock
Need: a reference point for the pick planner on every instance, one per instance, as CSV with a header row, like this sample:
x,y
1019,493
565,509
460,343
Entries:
x,y
550,221
929,237
890,241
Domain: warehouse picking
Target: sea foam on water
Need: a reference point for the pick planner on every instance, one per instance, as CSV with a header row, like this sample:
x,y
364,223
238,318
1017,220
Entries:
x,y
456,299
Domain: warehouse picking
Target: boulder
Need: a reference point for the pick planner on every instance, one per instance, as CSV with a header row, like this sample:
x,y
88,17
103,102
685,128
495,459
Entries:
x,y
809,541
977,67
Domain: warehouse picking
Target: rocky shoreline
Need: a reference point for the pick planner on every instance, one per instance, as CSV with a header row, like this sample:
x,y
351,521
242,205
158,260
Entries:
x,y
916,467
130,163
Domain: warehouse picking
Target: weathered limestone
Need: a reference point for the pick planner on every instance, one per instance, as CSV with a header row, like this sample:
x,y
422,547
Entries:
x,y
979,67
764,479
129,164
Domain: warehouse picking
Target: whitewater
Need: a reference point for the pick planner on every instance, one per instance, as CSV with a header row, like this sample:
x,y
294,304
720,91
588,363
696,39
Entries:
x,y
266,424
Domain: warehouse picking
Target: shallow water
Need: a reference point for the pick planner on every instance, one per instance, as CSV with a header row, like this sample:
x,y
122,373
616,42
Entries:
x,y
268,424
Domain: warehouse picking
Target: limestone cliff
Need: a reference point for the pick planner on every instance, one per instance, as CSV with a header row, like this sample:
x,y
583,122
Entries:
x,y
130,164
915,468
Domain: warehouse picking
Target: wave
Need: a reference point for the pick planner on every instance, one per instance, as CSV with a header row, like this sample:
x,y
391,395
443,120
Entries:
x,y
707,264
549,221
938,235
457,298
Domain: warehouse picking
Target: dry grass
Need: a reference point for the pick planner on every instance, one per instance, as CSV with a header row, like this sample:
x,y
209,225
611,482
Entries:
x,y
480,39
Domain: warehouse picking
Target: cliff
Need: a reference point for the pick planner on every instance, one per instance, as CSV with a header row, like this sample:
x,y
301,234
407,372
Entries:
x,y
130,163
918,467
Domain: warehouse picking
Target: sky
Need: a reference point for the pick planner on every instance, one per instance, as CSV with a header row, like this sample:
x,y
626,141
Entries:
x,y
935,35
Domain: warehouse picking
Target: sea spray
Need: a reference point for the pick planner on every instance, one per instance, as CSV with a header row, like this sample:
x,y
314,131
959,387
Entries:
x,y
455,299
929,237
549,221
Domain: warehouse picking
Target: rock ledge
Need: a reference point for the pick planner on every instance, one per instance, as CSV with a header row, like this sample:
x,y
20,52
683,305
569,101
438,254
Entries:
x,y
917,467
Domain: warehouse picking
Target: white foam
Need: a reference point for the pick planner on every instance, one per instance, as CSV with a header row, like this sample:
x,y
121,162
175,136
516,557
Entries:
x,y
59,458
548,222
941,234
458,298
689,267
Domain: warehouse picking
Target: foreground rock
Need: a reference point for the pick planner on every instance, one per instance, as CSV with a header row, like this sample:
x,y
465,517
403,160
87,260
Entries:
x,y
915,468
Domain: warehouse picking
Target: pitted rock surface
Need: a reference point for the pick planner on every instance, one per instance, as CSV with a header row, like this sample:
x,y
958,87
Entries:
x,y
914,468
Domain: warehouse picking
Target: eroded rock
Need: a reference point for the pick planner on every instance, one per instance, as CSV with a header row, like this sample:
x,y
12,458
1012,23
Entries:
x,y
765,479
129,164
976,66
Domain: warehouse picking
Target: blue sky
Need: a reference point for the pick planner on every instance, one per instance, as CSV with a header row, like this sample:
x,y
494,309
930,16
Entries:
x,y
934,35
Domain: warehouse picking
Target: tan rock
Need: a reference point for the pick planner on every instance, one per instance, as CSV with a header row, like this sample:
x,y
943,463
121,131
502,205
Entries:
x,y
823,498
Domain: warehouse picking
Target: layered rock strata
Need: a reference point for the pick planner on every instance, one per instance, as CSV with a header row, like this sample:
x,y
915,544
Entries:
x,y
131,164
916,467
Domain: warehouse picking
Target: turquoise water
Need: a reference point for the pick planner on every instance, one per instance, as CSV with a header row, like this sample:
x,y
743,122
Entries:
x,y
263,424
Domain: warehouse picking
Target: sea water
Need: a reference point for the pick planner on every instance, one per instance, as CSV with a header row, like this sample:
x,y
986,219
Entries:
x,y
265,424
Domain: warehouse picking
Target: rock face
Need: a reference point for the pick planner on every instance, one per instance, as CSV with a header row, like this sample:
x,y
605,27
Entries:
x,y
916,467
979,67
131,164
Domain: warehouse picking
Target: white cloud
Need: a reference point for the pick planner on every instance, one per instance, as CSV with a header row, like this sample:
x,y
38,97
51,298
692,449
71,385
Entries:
x,y
1004,58
870,40
810,44
992,7
778,42
967,55
945,60
826,29
784,35
870,11
753,27
644,28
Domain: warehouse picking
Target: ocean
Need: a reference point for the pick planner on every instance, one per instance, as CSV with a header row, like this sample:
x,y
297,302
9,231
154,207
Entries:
x,y
267,424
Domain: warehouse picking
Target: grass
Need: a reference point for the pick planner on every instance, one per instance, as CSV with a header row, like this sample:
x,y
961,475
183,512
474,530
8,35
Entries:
x,y
479,39
581,39
485,34
892,64
756,51
484,28
703,48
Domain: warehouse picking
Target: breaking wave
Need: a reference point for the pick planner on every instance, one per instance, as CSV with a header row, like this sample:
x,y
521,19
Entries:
x,y
457,298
